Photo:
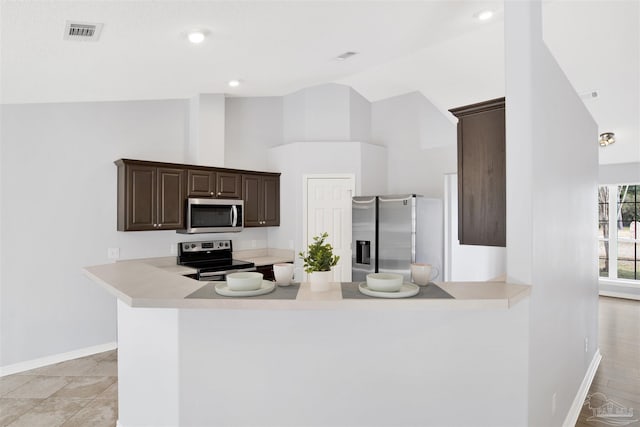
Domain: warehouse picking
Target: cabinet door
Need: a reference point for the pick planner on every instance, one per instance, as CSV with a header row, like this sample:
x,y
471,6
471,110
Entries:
x,y
271,201
251,194
171,198
229,185
140,198
481,174
201,183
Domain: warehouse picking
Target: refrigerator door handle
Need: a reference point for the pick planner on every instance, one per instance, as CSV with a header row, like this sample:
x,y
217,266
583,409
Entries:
x,y
401,199
362,202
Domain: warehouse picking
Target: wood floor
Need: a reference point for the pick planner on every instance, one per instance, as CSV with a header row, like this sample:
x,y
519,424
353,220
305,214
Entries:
x,y
618,376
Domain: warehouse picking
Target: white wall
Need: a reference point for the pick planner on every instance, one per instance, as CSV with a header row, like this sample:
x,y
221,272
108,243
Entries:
x,y
421,144
253,125
327,112
58,186
360,117
468,368
552,173
621,173
206,130
303,158
318,113
374,172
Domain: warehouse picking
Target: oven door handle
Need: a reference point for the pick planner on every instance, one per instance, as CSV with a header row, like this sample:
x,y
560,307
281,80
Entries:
x,y
222,273
234,215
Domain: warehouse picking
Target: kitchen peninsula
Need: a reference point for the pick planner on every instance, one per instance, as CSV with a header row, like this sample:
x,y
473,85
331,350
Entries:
x,y
317,359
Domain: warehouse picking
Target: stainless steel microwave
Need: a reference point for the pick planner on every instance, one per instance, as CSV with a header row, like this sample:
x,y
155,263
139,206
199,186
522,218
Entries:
x,y
213,216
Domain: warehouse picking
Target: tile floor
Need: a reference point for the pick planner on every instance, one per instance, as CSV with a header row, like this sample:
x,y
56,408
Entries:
x,y
76,393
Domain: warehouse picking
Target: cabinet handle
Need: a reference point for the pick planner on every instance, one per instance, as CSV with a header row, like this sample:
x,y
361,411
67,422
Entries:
x,y
219,193
155,225
211,193
159,225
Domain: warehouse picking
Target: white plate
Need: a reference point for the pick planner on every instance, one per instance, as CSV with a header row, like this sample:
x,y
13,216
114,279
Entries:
x,y
407,290
222,289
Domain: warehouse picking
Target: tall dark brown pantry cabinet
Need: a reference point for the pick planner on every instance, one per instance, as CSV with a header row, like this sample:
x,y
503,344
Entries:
x,y
481,173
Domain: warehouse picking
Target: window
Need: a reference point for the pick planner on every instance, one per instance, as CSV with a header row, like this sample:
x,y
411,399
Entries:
x,y
619,231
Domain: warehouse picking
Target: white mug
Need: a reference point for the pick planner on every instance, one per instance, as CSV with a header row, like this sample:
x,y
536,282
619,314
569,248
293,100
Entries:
x,y
421,273
283,274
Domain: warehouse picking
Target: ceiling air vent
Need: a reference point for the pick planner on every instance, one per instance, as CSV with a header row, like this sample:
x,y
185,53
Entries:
x,y
83,31
345,56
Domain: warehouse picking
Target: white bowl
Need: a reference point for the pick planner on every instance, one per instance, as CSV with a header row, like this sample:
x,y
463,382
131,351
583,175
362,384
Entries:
x,y
244,281
384,282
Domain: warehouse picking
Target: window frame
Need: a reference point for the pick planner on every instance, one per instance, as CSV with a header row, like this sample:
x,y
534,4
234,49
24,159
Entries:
x,y
613,238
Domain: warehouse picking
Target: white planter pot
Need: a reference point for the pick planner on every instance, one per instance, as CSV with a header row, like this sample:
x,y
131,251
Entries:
x,y
319,280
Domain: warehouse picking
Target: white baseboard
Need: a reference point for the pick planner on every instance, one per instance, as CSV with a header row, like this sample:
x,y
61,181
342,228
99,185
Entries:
x,y
576,407
625,295
56,358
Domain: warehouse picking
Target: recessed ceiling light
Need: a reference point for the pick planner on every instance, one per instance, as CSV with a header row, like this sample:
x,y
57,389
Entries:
x,y
234,83
484,15
196,36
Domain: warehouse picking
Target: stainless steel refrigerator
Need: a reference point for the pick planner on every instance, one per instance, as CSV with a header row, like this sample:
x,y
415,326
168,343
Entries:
x,y
391,232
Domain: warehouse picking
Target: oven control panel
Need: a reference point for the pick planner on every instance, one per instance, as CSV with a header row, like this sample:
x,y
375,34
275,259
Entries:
x,y
206,245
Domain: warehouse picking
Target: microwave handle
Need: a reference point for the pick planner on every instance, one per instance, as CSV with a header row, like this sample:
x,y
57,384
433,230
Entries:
x,y
234,215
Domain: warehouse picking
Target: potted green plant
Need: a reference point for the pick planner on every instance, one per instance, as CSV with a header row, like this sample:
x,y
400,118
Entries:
x,y
318,262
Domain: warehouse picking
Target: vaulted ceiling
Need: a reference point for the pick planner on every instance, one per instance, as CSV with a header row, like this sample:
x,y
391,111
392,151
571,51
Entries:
x,y
276,47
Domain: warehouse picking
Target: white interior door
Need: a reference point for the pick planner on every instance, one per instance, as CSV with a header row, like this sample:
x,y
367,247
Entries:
x,y
328,209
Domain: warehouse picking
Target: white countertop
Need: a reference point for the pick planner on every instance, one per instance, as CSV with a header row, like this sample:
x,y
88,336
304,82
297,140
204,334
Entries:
x,y
156,283
266,256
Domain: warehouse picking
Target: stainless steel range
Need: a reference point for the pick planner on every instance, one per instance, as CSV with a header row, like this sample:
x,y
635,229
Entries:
x,y
212,258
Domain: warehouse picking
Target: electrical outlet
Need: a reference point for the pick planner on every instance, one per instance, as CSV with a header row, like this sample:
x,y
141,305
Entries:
x,y
586,344
113,253
553,403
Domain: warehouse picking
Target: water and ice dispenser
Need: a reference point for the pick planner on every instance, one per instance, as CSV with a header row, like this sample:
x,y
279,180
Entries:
x,y
363,252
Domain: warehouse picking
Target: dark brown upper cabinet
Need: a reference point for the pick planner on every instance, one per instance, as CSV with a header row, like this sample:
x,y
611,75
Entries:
x,y
218,184
481,173
229,185
201,183
261,195
150,197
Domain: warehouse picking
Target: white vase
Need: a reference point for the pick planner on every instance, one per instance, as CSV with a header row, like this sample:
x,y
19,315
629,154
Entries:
x,y
319,280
